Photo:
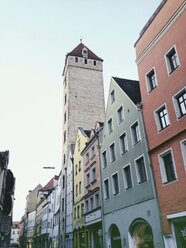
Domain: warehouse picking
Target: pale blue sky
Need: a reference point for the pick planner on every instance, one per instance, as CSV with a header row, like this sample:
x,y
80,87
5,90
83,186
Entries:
x,y
35,36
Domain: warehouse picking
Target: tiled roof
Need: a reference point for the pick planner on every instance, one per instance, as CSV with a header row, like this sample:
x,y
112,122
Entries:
x,y
78,52
50,184
130,87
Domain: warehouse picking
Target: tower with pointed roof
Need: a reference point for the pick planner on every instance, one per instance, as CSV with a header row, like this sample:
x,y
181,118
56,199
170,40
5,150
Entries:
x,y
83,94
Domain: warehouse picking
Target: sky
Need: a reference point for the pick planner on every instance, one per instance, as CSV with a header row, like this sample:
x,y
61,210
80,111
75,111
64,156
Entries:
x,y
35,36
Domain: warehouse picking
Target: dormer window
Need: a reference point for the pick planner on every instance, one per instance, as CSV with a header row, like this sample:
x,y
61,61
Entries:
x,y
85,52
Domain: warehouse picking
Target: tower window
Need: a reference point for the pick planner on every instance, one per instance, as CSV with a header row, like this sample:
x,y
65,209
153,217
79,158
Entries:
x,y
94,63
76,59
85,61
85,52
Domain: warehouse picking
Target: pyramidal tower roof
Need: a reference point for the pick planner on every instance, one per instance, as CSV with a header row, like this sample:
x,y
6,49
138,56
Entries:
x,y
78,52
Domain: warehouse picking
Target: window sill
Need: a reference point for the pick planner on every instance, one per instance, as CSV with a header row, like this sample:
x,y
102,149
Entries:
x,y
124,152
130,187
163,128
145,180
88,186
136,143
94,181
171,72
152,89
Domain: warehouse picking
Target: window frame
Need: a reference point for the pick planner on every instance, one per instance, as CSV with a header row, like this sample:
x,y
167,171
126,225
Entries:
x,y
183,152
162,166
120,138
112,96
149,81
119,120
104,160
158,119
138,176
177,105
113,184
127,187
168,60
110,125
95,178
111,160
106,196
87,173
138,137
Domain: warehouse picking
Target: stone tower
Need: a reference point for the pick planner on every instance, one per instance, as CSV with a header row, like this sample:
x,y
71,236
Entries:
x,y
83,94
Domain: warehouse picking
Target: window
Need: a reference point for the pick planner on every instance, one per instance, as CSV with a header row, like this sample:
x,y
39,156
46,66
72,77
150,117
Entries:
x,y
87,158
76,59
78,212
64,136
172,60
151,80
127,177
63,181
65,117
86,206
79,165
115,184
112,97
123,143
135,133
110,128
91,203
87,179
76,169
183,150
106,189
62,204
112,153
76,189
82,209
141,172
64,158
94,63
120,114
79,187
74,213
85,61
85,52
179,101
162,118
167,167
65,98
92,152
97,200
78,145
104,159
93,174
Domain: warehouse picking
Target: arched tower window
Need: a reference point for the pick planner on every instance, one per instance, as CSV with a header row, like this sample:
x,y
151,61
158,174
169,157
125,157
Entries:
x,y
85,52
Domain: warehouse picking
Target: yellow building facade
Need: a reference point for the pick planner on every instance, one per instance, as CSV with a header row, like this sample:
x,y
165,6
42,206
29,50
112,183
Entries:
x,y
78,208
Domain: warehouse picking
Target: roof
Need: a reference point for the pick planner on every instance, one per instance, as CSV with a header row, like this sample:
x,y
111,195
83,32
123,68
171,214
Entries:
x,y
130,87
86,133
77,51
50,184
150,20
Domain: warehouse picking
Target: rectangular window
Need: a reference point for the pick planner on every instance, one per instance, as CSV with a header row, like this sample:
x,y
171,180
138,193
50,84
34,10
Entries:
x,y
91,203
167,167
112,153
76,169
64,136
172,60
106,189
162,118
64,158
179,101
74,213
65,117
86,206
79,165
78,212
62,204
92,152
123,143
93,174
104,159
65,98
87,179
79,187
76,189
120,114
183,150
141,171
112,97
79,145
82,209
127,177
115,184
110,127
135,133
97,200
151,80
87,158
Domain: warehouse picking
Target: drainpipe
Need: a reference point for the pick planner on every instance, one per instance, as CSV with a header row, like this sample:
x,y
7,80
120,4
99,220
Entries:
x,y
101,192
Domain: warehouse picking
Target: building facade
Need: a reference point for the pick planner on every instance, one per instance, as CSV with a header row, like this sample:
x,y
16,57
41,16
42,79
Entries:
x,y
130,209
161,61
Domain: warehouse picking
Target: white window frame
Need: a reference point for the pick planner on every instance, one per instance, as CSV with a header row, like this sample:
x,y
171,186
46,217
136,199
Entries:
x,y
110,125
149,90
117,112
124,177
157,117
162,166
113,186
112,96
87,173
106,179
122,152
167,61
112,161
137,171
96,197
104,166
93,167
132,133
178,113
91,203
183,151
86,206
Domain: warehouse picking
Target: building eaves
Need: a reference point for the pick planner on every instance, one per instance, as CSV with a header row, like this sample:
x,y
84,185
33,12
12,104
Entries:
x,y
131,88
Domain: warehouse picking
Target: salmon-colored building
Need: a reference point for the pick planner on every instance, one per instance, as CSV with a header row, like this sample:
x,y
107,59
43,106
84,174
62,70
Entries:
x,y
161,61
